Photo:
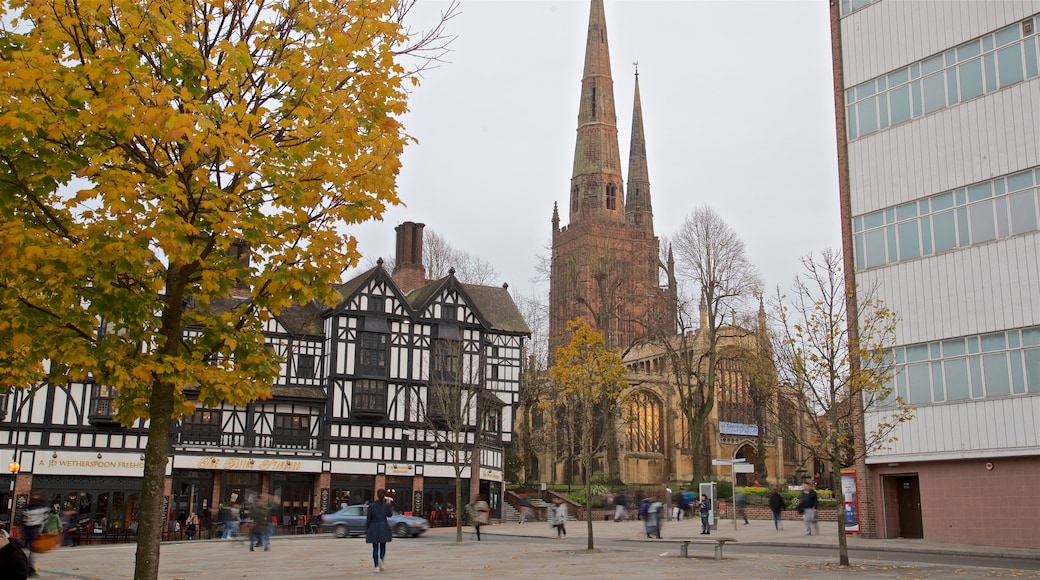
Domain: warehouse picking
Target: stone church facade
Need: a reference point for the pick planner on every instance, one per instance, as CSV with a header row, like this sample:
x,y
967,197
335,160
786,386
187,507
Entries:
x,y
607,267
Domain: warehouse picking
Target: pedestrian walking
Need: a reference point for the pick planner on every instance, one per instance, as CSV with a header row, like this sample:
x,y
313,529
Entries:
x,y
741,501
526,511
558,517
807,505
377,528
232,521
479,514
259,535
777,505
33,517
620,506
705,509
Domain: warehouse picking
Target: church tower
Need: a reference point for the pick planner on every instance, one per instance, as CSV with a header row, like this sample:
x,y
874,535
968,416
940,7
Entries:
x,y
605,261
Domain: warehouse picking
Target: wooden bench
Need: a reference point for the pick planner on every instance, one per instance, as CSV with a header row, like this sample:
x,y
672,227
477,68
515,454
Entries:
x,y
717,542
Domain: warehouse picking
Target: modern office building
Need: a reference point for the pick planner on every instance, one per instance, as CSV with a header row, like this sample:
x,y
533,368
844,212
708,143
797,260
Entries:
x,y
942,106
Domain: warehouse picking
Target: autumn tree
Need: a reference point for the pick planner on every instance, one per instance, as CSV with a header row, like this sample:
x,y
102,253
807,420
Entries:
x,y
145,149
815,356
588,374
710,256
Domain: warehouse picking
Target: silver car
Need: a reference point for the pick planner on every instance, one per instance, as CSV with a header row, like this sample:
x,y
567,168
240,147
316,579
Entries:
x,y
350,521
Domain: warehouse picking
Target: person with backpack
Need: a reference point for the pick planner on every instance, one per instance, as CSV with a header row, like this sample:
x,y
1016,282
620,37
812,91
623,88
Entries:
x,y
14,564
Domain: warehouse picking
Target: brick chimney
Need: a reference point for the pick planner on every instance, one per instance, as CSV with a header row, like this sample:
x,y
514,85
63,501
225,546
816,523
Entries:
x,y
240,249
409,272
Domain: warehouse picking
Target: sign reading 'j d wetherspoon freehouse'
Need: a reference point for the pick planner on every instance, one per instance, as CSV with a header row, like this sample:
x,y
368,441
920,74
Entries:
x,y
86,463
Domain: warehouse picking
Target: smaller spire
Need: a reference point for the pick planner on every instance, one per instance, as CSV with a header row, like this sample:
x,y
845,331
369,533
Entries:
x,y
556,216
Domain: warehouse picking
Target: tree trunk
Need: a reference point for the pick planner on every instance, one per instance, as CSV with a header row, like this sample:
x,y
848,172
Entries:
x,y
839,496
586,466
152,517
458,500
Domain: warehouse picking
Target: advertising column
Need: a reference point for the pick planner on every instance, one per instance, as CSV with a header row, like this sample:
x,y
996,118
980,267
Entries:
x,y
848,489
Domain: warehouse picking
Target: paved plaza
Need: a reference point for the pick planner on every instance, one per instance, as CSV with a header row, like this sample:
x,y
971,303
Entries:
x,y
531,551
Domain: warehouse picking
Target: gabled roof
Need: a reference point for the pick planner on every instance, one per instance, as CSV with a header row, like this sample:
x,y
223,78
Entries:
x,y
351,287
496,305
304,319
420,298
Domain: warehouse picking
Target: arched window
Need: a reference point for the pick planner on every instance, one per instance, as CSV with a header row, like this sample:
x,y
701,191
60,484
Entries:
x,y
644,428
611,196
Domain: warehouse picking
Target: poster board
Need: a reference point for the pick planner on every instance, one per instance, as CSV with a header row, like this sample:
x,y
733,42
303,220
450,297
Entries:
x,y
851,503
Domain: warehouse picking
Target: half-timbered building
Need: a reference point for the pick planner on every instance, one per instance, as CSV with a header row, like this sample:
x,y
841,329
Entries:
x,y
346,415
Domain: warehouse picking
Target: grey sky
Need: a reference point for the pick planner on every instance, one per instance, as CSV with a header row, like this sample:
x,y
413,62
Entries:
x,y
737,111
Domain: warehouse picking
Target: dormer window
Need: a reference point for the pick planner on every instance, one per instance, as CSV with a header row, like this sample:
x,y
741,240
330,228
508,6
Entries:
x,y
305,366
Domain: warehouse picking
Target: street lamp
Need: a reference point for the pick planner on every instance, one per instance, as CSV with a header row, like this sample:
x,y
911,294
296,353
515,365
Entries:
x,y
14,468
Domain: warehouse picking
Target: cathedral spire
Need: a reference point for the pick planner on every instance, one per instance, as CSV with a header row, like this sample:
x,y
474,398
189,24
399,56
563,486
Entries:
x,y
638,209
597,190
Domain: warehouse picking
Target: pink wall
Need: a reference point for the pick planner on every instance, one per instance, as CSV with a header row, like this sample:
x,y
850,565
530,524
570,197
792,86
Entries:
x,y
964,503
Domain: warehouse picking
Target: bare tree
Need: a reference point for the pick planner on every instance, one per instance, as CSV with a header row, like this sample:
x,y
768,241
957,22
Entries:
x,y
439,256
534,382
451,410
711,257
814,354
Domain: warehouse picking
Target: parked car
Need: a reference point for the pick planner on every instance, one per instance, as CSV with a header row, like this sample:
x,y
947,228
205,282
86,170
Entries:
x,y
350,521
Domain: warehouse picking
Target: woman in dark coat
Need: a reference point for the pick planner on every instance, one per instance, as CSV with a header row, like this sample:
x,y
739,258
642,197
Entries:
x,y
377,528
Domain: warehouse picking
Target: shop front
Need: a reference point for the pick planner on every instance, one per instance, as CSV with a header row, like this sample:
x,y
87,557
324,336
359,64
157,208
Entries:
x,y
348,489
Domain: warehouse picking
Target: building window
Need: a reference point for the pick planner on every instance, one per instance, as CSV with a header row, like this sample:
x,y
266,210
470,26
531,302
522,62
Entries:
x,y
372,353
292,431
449,312
444,405
611,196
102,405
369,398
491,424
644,428
203,427
305,366
376,304
446,362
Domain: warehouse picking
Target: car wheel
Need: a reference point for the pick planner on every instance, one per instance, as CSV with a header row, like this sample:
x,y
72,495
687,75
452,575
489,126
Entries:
x,y
341,531
401,530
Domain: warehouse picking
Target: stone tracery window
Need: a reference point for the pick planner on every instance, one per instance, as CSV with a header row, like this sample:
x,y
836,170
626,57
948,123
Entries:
x,y
645,434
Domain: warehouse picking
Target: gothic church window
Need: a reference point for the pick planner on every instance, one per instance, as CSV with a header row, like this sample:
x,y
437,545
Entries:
x,y
611,196
644,428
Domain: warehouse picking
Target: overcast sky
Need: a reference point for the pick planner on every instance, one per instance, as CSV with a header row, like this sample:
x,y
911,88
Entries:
x,y
737,111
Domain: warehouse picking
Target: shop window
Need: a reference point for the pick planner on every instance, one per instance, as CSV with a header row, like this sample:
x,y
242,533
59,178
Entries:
x,y
102,405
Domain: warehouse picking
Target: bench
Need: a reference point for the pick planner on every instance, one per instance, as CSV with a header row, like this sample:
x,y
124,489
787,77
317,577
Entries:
x,y
718,543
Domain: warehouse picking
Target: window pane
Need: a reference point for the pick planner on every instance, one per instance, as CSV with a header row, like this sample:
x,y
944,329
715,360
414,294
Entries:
x,y
1032,360
866,89
1009,34
1020,181
1010,60
990,69
932,65
850,114
909,241
975,368
934,93
873,220
942,201
964,238
944,229
1031,337
1031,64
860,258
956,378
926,236
937,383
917,353
951,86
980,191
954,348
1018,380
875,255
1000,206
969,50
906,211
993,342
898,77
982,226
892,244
920,383
867,116
997,380
915,94
971,79
899,103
